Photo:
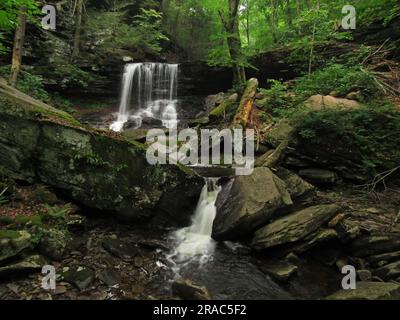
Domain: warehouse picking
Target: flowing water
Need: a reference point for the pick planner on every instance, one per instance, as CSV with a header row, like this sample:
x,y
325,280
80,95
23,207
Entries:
x,y
194,243
149,90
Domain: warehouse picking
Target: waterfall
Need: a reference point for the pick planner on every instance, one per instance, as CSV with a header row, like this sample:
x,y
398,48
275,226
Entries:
x,y
148,90
195,242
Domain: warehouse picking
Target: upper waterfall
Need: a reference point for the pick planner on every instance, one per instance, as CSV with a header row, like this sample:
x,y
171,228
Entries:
x,y
148,90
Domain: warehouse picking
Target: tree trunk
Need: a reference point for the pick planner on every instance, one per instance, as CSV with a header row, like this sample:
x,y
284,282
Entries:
x,y
231,25
18,49
313,41
78,29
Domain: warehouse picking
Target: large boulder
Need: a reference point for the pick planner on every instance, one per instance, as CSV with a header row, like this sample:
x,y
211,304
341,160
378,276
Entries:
x,y
319,102
99,169
295,227
249,202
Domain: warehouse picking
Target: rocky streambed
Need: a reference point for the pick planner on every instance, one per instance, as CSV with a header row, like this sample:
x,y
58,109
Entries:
x,y
281,233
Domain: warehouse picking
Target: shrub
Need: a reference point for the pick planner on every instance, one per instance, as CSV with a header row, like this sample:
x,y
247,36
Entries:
x,y
372,133
340,78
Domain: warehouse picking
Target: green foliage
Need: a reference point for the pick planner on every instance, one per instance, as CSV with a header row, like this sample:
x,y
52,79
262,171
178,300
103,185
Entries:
x,y
147,26
372,132
337,77
71,75
9,10
57,212
36,237
9,234
28,83
32,85
34,220
112,33
3,198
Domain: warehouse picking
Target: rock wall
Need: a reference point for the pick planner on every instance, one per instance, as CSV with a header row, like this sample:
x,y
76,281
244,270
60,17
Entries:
x,y
98,169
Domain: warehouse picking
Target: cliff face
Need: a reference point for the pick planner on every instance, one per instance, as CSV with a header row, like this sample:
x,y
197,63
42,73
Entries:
x,y
95,168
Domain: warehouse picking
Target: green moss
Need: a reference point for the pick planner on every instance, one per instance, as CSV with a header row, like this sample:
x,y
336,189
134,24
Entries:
x,y
9,234
35,220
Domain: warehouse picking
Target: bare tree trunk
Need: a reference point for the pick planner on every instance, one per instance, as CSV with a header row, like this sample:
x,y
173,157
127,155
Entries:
x,y
313,42
231,25
18,48
78,28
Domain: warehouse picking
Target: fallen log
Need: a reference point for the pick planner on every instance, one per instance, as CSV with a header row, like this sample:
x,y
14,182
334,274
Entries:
x,y
220,111
246,104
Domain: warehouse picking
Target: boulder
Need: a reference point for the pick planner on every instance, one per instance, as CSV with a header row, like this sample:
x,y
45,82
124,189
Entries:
x,y
369,291
319,102
281,132
12,243
223,108
54,243
319,176
188,290
295,227
313,240
213,100
247,203
29,264
369,245
390,271
121,249
151,122
81,276
279,270
296,186
99,169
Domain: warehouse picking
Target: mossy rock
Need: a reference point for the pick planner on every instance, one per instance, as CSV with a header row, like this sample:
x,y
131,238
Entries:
x,y
12,243
99,169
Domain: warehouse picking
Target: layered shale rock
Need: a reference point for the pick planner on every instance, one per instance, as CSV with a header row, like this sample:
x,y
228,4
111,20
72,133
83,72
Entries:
x,y
98,169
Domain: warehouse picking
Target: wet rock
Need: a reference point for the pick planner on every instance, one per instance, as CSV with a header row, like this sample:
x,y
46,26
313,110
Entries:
x,y
54,243
279,270
294,227
249,202
121,249
369,291
380,260
390,271
109,277
292,258
364,275
28,265
369,245
319,176
327,256
81,277
188,290
298,188
151,122
138,262
12,243
154,244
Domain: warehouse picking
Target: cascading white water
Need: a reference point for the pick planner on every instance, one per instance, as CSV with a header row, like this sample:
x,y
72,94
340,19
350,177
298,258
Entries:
x,y
195,242
148,90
